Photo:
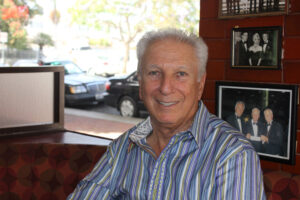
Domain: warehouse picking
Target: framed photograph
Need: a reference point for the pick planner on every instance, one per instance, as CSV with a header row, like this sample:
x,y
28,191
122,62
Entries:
x,y
265,113
251,8
256,47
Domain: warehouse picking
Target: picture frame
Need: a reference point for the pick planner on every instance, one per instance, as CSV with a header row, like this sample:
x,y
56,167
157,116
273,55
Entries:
x,y
256,47
27,114
251,8
276,102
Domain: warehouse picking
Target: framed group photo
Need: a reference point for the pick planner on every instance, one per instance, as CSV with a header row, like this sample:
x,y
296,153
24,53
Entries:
x,y
256,47
265,113
251,8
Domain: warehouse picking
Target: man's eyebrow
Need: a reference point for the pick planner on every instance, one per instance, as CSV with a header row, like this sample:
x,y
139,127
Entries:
x,y
154,66
182,67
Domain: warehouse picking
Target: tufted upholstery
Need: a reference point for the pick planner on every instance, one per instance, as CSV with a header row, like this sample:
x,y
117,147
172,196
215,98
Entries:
x,y
52,171
44,171
280,185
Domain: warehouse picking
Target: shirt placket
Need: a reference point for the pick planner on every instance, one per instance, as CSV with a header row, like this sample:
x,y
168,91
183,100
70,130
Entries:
x,y
158,174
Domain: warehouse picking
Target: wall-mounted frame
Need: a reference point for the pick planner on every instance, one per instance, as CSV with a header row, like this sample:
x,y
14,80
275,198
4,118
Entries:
x,y
268,102
256,47
252,8
32,100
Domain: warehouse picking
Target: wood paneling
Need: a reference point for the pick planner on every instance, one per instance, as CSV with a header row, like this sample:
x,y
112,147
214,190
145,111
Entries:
x,y
217,33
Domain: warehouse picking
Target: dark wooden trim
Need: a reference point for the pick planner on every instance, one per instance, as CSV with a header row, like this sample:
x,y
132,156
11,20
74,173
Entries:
x,y
58,121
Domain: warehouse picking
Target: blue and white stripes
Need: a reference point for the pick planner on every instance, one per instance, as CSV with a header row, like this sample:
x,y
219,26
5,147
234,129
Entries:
x,y
208,161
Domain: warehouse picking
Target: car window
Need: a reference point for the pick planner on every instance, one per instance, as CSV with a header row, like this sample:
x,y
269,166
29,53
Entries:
x,y
71,68
133,78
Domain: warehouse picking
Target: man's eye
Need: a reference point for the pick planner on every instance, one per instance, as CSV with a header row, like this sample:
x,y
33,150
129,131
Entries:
x,y
153,73
182,73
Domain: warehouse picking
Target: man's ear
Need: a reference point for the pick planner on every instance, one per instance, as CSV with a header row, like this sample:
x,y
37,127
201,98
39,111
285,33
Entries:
x,y
201,86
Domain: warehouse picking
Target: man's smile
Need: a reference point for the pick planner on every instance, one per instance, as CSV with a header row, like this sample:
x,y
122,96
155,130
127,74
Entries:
x,y
167,103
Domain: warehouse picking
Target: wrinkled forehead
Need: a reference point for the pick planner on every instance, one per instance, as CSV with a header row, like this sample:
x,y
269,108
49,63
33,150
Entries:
x,y
240,105
268,112
255,111
171,50
169,41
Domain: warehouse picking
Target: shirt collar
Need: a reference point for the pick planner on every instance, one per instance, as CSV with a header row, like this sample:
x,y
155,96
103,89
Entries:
x,y
198,129
142,130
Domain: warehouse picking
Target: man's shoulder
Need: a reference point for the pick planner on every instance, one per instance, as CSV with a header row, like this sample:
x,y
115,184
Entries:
x,y
260,123
231,117
221,127
122,141
227,138
277,125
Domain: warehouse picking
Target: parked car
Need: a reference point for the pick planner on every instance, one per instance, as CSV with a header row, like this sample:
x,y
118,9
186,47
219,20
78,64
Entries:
x,y
80,88
4,64
26,63
122,92
99,62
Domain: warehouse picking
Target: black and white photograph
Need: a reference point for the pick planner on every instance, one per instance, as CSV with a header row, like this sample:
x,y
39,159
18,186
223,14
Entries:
x,y
265,113
256,47
248,8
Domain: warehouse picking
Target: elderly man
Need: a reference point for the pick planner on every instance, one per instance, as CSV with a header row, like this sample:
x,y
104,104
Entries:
x,y
236,120
273,139
180,151
255,129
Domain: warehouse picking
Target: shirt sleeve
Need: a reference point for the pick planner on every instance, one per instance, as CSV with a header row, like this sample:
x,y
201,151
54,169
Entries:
x,y
240,177
96,184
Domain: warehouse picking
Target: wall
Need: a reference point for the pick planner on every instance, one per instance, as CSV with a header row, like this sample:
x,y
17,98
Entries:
x,y
217,32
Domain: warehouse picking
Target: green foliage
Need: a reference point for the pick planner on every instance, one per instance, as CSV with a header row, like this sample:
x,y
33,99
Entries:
x,y
126,19
34,7
43,39
13,22
113,15
99,42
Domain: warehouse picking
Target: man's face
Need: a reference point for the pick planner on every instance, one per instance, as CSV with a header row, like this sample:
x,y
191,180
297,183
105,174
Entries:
x,y
239,109
265,37
169,84
255,115
268,116
245,36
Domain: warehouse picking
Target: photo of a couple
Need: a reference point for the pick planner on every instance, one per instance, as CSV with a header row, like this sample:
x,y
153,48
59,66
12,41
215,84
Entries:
x,y
256,47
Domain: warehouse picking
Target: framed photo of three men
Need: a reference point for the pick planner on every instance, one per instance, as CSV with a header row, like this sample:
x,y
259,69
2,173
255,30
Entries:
x,y
256,47
265,113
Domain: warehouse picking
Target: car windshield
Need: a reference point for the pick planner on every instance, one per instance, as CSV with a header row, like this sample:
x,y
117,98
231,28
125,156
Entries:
x,y
70,67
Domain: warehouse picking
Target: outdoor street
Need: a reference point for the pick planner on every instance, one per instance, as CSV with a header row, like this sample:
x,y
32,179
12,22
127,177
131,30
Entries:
x,y
99,120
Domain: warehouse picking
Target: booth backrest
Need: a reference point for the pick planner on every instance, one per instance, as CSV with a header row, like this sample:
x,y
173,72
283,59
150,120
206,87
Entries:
x,y
281,185
33,171
44,171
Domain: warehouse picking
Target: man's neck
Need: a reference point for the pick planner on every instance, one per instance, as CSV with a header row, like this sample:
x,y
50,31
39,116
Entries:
x,y
157,142
162,134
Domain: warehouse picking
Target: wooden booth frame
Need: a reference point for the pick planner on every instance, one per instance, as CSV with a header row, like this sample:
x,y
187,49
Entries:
x,y
32,100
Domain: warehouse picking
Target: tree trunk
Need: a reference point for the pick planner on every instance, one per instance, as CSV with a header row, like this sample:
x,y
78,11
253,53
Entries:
x,y
40,53
126,57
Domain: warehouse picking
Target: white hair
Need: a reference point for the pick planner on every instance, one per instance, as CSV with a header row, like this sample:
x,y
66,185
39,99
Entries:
x,y
191,39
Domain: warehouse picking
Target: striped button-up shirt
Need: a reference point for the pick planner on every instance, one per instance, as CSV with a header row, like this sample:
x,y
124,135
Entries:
x,y
211,160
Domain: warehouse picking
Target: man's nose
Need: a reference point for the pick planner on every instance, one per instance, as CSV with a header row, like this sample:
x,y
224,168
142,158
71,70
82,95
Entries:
x,y
166,85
